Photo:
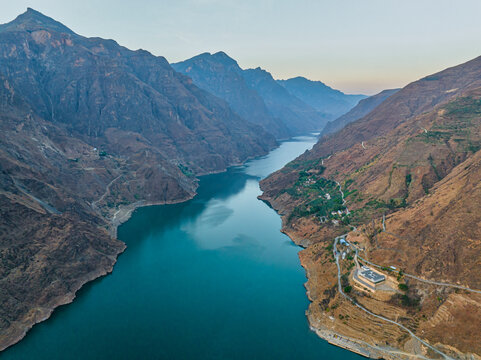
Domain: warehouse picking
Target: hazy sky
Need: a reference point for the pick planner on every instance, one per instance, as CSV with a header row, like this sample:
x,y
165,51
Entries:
x,y
353,45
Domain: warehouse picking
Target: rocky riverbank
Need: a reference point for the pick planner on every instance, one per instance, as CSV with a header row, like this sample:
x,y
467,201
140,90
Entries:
x,y
20,328
340,322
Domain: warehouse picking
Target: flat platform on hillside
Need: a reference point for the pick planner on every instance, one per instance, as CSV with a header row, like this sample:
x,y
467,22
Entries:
x,y
372,276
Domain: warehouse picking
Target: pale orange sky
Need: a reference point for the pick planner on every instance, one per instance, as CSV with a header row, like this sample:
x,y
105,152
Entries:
x,y
357,46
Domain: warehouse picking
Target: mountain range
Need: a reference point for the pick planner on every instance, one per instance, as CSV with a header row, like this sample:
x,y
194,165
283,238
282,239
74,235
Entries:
x,y
284,108
221,75
364,107
333,103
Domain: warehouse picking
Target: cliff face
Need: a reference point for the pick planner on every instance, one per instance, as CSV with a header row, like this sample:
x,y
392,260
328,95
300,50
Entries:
x,y
88,131
253,94
364,107
221,75
298,116
333,103
414,158
92,85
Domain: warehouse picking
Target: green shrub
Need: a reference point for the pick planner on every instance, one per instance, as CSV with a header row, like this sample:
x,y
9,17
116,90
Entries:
x,y
408,180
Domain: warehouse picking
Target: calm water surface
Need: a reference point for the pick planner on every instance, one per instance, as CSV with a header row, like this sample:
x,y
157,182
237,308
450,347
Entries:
x,y
211,278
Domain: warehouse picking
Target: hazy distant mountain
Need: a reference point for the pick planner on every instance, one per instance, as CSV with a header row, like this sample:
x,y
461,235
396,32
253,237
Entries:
x,y
321,97
221,75
364,107
298,116
253,94
88,130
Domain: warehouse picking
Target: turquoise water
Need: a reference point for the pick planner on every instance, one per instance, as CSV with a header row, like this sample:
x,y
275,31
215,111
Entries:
x,y
211,278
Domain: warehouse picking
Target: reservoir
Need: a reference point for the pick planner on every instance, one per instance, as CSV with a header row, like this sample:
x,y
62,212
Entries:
x,y
211,278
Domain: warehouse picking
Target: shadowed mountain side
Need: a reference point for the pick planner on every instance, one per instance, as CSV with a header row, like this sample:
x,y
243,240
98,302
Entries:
x,y
253,93
92,85
298,116
89,130
221,75
333,103
364,107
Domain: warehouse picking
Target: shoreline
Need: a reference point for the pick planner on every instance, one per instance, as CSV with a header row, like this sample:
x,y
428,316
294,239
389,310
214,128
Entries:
x,y
120,216
39,315
123,213
355,345
334,338
345,342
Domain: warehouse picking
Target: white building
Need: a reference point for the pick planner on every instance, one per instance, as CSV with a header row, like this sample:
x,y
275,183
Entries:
x,y
369,278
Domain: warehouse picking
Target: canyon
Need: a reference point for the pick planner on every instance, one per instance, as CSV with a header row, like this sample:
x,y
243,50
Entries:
x,y
90,131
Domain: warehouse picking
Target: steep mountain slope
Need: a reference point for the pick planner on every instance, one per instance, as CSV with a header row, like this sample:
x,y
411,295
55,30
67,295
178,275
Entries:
x,y
415,159
298,116
89,130
439,237
364,107
92,85
321,97
221,75
414,99
253,93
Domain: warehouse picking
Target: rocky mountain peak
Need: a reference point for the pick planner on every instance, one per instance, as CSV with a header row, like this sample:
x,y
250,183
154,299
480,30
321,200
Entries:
x,y
219,57
32,20
222,56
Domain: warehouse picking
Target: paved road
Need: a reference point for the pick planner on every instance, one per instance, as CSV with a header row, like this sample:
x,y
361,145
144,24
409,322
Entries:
x,y
336,256
342,195
443,284
432,282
